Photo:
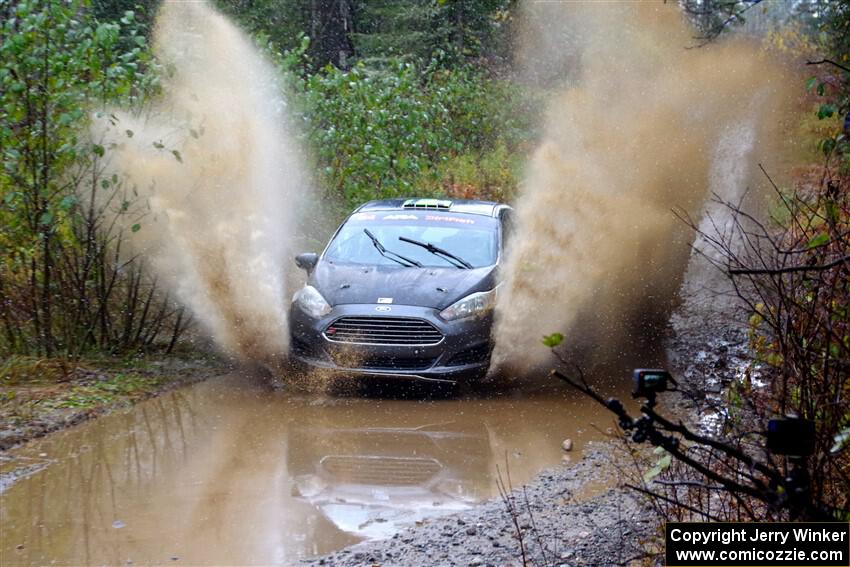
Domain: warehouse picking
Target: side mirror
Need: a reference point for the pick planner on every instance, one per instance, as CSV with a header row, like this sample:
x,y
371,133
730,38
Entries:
x,y
307,261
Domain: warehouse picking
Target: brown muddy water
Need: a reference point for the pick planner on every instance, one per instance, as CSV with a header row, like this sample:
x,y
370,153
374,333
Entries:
x,y
228,471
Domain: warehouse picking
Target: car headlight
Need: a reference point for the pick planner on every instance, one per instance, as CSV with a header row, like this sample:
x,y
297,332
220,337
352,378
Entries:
x,y
311,302
473,305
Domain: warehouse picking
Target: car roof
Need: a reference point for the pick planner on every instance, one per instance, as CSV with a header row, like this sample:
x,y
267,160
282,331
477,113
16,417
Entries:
x,y
469,206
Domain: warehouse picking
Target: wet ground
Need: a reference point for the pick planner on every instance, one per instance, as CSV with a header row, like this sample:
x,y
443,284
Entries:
x,y
229,471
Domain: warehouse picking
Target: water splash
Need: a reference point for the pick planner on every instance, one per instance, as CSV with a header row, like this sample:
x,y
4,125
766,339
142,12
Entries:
x,y
629,135
216,178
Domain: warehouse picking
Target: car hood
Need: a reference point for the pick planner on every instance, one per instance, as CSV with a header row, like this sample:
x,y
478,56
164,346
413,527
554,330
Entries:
x,y
425,287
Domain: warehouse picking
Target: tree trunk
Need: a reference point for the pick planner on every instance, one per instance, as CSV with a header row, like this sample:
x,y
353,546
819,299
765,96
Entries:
x,y
331,27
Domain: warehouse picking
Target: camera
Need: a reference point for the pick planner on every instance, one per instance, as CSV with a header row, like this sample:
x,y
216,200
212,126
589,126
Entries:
x,y
649,381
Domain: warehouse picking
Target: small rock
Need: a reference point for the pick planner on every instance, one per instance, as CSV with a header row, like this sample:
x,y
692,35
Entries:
x,y
174,558
118,524
567,445
471,530
476,561
19,546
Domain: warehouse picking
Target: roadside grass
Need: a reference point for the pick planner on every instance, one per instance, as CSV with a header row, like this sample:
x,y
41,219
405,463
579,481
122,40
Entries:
x,y
42,395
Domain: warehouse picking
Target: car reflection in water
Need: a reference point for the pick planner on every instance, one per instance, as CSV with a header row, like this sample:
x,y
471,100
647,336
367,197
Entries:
x,y
369,481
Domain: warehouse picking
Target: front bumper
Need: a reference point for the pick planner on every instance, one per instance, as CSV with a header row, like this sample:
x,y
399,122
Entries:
x,y
463,353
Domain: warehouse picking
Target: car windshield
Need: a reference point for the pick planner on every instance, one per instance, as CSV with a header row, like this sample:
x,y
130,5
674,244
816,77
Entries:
x,y
472,238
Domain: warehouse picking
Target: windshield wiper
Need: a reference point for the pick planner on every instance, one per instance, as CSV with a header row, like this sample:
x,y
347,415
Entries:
x,y
407,262
458,262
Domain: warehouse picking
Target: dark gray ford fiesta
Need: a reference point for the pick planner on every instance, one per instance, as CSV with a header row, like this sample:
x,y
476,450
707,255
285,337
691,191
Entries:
x,y
405,289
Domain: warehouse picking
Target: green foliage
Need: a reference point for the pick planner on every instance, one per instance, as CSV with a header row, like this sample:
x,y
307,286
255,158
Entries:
x,y
416,114
55,68
106,391
374,131
55,65
451,30
491,174
283,23
45,398
398,130
114,10
831,85
377,31
59,65
553,340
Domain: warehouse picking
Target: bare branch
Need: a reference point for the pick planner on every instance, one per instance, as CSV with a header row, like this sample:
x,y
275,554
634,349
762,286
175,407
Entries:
x,y
791,269
829,62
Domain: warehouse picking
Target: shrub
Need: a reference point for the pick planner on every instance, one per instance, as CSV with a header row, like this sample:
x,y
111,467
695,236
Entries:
x,y
64,285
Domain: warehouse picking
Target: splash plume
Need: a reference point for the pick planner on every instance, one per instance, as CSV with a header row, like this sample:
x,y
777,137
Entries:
x,y
218,177
631,136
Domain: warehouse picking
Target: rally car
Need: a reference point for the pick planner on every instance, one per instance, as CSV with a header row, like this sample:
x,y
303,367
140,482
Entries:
x,y
404,289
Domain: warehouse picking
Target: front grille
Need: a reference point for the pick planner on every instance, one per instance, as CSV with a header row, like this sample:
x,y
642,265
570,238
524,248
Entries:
x,y
383,331
397,471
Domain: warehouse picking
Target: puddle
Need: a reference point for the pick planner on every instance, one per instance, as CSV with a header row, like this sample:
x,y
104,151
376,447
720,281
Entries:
x,y
226,471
